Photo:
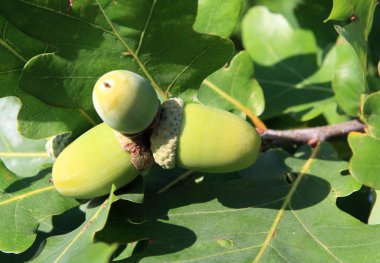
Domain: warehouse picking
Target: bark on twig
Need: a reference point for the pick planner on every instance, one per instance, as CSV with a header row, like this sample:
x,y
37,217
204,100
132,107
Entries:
x,y
312,135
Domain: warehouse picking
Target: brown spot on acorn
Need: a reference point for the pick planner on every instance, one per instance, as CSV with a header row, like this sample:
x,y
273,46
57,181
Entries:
x,y
107,85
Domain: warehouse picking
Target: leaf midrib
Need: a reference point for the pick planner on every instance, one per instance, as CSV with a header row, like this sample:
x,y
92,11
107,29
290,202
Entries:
x,y
133,54
26,195
82,230
67,15
286,203
12,50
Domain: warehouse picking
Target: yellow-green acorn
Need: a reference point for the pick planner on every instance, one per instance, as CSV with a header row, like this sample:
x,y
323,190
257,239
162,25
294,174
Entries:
x,y
125,101
202,138
89,166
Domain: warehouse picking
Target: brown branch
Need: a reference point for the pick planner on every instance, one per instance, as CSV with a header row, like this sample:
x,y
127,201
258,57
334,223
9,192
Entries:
x,y
312,135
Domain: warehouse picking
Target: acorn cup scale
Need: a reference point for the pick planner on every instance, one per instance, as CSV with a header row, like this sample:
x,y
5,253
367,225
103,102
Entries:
x,y
89,166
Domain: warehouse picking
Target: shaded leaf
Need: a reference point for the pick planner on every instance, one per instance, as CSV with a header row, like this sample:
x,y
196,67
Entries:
x,y
234,220
22,156
364,164
361,10
374,39
310,15
371,113
94,37
218,17
348,81
133,192
79,245
16,49
235,82
373,83
344,9
352,33
374,217
24,202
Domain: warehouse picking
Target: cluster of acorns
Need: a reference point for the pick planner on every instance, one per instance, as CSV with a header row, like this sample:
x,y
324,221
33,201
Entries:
x,y
138,131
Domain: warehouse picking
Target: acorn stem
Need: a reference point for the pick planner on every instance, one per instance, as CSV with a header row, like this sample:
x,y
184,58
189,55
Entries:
x,y
307,135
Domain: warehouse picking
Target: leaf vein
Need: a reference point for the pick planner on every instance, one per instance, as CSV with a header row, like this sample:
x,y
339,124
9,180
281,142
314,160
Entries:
x,y
286,203
186,68
82,231
26,195
67,15
315,238
136,58
146,26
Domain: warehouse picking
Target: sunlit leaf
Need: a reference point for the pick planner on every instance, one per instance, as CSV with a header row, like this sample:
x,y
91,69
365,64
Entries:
x,y
371,113
218,17
21,155
348,82
364,164
233,87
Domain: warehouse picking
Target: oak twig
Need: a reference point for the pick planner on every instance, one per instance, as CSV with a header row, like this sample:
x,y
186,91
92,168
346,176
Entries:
x,y
312,135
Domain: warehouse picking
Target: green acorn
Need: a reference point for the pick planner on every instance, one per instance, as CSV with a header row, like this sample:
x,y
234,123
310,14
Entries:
x,y
192,136
202,138
125,101
89,166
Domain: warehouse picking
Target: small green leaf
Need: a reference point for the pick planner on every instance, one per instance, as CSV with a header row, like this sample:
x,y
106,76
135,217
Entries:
x,y
235,82
356,10
24,202
79,245
364,164
348,81
218,17
360,13
371,113
353,34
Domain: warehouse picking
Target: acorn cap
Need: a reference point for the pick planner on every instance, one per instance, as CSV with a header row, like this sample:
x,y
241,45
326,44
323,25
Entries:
x,y
164,138
56,144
